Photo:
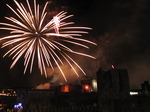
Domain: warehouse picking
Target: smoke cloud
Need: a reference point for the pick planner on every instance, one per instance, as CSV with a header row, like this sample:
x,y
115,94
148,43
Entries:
x,y
123,39
43,86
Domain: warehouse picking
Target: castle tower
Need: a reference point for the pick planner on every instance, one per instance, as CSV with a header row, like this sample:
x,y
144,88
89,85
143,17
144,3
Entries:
x,y
113,83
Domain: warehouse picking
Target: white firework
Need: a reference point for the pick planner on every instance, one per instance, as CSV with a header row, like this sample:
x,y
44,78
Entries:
x,y
31,36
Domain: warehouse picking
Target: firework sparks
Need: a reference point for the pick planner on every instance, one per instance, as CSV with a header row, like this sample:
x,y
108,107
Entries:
x,y
57,24
31,37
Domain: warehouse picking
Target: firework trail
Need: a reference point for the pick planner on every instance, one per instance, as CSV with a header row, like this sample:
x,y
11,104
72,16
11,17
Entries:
x,y
57,24
32,37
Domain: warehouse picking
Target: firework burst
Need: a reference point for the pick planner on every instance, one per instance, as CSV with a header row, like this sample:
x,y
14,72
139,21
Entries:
x,y
31,37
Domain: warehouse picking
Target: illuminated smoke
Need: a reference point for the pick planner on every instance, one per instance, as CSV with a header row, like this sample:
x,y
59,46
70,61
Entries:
x,y
43,86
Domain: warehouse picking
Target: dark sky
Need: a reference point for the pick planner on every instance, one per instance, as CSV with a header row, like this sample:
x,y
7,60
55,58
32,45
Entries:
x,y
120,28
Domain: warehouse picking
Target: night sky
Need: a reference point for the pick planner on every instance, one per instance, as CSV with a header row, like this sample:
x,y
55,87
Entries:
x,y
119,27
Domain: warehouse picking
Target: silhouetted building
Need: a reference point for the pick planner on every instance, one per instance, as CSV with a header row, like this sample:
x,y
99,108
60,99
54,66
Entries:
x,y
113,95
49,101
113,83
113,87
146,88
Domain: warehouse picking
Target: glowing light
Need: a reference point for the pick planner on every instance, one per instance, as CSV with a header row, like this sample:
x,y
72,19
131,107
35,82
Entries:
x,y
86,87
65,88
134,93
94,85
112,66
18,106
32,37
